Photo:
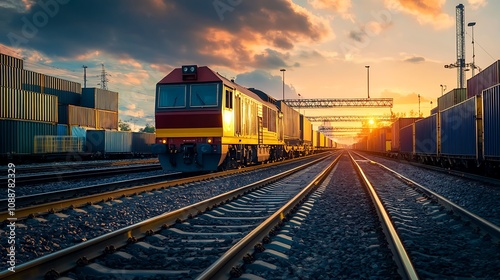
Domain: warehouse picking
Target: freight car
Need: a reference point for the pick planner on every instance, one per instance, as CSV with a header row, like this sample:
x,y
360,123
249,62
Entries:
x,y
43,144
205,122
465,135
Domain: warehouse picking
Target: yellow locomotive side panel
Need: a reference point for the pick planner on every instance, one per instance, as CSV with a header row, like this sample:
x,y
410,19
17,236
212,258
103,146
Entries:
x,y
228,111
189,132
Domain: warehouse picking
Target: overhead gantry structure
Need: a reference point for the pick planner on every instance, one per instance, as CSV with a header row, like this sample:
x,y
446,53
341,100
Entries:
x,y
349,118
339,129
340,102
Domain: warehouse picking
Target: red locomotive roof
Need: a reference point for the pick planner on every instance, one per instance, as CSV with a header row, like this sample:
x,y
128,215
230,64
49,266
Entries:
x,y
205,74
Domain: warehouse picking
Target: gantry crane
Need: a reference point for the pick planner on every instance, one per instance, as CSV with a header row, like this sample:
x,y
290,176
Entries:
x,y
460,63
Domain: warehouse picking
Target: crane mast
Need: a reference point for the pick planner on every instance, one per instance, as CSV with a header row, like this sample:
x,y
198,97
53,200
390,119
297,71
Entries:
x,y
460,63
460,46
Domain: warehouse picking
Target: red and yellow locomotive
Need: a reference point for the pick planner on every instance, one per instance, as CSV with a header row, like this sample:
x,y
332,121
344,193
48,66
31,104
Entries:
x,y
205,122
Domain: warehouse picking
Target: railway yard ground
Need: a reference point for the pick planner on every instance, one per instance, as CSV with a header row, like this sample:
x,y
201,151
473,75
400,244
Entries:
x,y
337,215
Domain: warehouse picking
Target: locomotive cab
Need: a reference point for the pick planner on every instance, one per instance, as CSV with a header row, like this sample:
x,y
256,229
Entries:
x,y
189,120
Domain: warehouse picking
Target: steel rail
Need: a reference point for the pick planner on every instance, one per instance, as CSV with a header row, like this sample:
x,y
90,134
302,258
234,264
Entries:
x,y
483,224
27,200
405,266
221,268
69,258
55,206
78,174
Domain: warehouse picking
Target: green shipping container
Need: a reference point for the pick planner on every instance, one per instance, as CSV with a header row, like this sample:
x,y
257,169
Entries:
x,y
19,136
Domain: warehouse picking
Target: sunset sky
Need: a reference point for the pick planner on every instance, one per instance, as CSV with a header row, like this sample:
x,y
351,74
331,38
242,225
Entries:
x,y
323,44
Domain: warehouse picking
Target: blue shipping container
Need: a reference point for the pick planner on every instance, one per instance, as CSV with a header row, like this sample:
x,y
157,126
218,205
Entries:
x,y
426,136
62,130
459,129
406,139
491,122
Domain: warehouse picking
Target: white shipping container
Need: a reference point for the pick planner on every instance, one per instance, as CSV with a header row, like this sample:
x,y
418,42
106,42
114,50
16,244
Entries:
x,y
107,141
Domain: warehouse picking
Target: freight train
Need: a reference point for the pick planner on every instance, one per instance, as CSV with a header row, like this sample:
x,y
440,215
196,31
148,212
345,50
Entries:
x,y
91,144
463,133
205,122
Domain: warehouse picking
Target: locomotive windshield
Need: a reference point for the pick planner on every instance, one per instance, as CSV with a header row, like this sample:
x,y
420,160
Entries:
x,y
204,95
172,96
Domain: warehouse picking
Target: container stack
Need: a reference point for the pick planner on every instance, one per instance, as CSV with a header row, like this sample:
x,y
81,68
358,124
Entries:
x,y
24,113
105,103
395,129
452,98
484,80
380,139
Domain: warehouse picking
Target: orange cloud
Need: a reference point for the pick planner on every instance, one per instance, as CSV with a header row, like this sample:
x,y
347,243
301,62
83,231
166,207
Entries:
x,y
339,6
424,11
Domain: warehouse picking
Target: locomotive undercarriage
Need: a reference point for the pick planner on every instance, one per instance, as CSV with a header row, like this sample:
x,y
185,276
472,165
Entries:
x,y
238,156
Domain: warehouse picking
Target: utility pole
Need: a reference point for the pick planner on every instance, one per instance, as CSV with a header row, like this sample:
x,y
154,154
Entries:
x,y
443,88
84,76
471,24
419,105
283,70
368,79
104,80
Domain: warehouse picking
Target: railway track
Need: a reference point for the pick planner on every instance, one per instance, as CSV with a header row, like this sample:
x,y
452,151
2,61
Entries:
x,y
46,201
29,180
442,239
430,245
227,224
51,202
82,165
426,235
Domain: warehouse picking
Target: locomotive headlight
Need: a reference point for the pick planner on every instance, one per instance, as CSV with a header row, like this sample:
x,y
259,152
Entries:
x,y
209,140
164,141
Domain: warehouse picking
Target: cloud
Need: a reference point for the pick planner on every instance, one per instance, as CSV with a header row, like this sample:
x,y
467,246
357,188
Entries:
x,y
163,32
476,4
415,59
401,98
426,12
340,6
268,83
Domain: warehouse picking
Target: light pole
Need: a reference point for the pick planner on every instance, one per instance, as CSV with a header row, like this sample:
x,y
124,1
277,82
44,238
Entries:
x,y
368,79
443,88
471,24
283,70
419,105
299,101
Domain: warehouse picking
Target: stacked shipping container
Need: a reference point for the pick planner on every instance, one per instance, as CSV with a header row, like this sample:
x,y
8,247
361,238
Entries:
x,y
485,79
395,129
291,123
27,105
100,99
459,129
491,122
426,135
452,98
23,114
107,141
29,96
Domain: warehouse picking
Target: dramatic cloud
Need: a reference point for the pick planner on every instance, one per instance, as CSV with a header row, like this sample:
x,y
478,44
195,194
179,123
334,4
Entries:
x,y
270,84
414,59
162,32
424,11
